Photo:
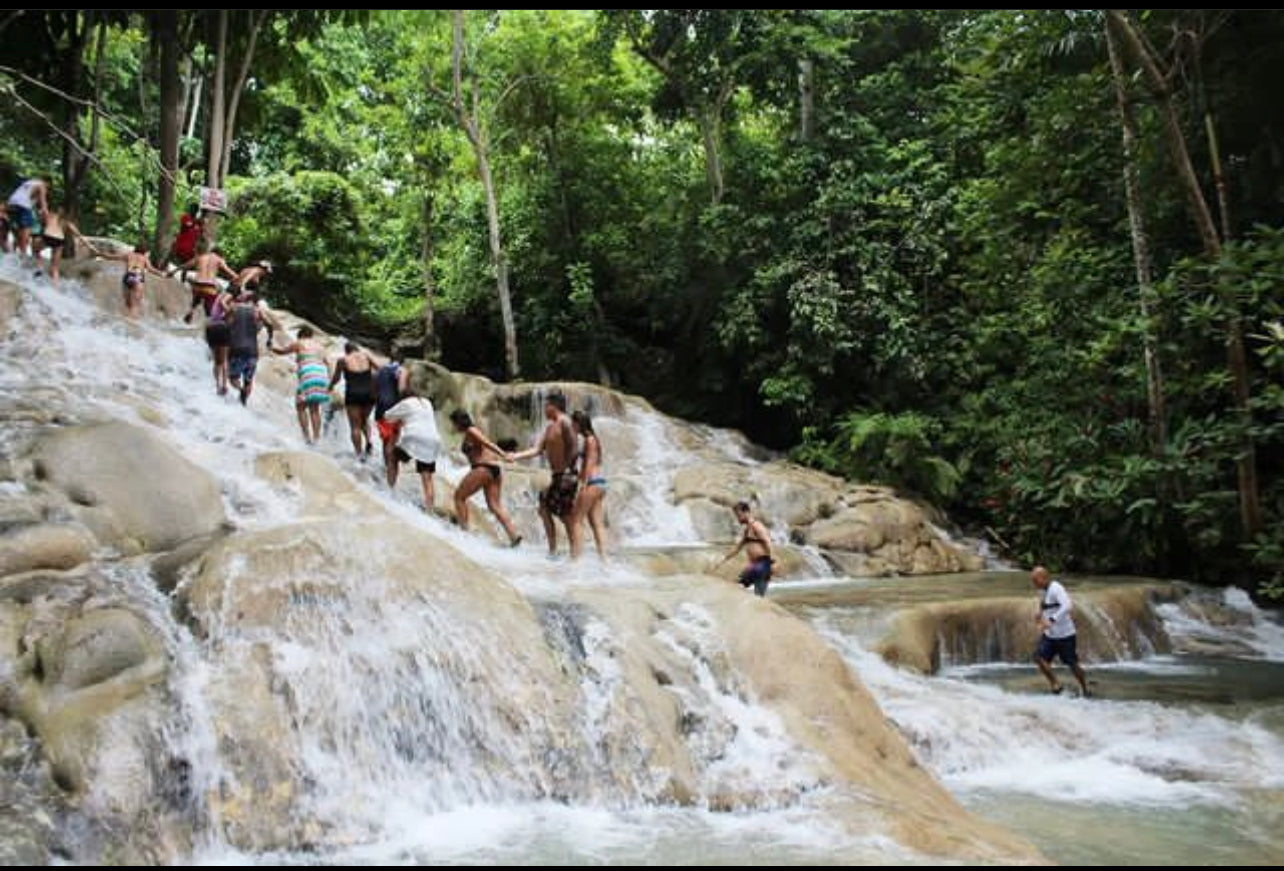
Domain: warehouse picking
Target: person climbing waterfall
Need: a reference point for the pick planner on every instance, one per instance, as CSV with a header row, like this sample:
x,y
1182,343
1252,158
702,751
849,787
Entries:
x,y
191,230
357,369
756,542
590,502
313,376
53,238
417,437
27,203
134,280
484,473
1057,638
390,383
244,322
209,264
252,278
558,445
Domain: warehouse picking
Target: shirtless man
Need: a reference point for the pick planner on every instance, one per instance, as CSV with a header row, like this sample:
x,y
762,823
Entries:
x,y
251,278
756,541
209,264
137,264
558,445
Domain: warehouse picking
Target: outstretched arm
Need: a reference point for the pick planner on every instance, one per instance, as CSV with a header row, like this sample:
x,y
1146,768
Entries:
x,y
485,442
339,368
288,349
227,270
533,451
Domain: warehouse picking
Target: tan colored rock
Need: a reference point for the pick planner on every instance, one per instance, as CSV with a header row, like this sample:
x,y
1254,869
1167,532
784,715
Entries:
x,y
326,490
1112,624
165,298
45,546
10,299
754,651
140,493
302,584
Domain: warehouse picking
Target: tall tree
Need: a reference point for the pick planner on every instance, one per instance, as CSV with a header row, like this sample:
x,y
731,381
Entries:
x,y
1159,83
1143,261
465,101
164,27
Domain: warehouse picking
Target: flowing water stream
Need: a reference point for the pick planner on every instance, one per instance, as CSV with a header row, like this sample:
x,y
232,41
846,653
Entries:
x,y
412,747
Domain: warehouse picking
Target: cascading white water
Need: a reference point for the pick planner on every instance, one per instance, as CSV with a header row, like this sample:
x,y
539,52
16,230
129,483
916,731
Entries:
x,y
408,756
404,753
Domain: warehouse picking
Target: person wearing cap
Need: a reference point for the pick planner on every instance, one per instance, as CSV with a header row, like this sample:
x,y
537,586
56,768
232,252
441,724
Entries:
x,y
249,279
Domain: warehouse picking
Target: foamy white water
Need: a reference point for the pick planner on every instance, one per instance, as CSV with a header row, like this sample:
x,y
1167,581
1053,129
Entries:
x,y
444,779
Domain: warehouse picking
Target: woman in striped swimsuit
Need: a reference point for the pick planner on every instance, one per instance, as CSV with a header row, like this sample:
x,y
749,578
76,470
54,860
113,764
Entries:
x,y
314,378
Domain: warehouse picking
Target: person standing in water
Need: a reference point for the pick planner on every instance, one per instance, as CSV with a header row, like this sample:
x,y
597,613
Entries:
x,y
756,542
557,444
29,201
484,473
53,237
1057,632
417,438
590,503
209,264
191,230
390,384
357,370
313,377
133,282
243,324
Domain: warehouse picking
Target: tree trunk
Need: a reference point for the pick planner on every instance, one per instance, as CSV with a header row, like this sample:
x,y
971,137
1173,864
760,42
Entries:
x,y
806,99
1250,507
431,351
214,144
72,163
198,86
229,128
498,259
1141,255
165,24
710,129
470,124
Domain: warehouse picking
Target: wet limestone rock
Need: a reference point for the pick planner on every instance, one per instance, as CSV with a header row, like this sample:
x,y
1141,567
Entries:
x,y
280,605
128,485
165,298
44,546
10,299
688,650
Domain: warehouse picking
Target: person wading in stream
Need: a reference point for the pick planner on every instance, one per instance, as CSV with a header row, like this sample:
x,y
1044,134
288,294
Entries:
x,y
1058,633
357,369
558,445
484,473
756,542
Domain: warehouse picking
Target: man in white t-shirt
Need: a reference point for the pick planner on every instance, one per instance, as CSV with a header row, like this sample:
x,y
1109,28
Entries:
x,y
415,423
1058,638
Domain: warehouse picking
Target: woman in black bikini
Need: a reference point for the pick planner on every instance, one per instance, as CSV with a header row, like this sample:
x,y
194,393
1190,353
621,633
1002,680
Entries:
x,y
484,472
357,371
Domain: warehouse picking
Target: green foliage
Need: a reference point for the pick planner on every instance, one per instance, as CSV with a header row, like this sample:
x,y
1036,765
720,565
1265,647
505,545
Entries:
x,y
895,449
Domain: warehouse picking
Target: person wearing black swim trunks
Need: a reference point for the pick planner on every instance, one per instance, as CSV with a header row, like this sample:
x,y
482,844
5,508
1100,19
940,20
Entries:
x,y
357,370
558,445
484,473
756,542
1057,636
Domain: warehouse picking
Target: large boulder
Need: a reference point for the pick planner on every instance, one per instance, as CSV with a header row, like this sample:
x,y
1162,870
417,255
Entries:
x,y
311,616
701,670
44,546
125,483
164,298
